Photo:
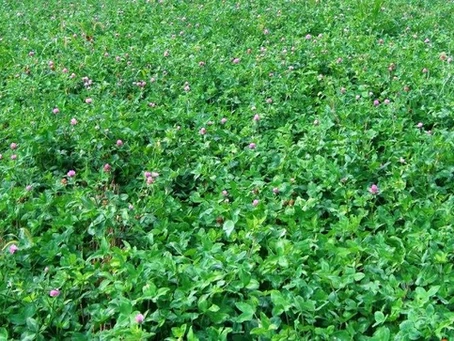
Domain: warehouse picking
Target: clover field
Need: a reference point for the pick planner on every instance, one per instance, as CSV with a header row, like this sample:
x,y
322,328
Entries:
x,y
221,170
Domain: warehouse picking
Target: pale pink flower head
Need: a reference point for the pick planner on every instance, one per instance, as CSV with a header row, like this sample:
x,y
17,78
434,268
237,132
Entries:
x,y
427,40
343,90
223,120
187,88
87,82
269,100
71,173
425,70
131,206
252,145
166,53
88,100
107,168
140,318
266,31
386,101
55,110
256,118
147,174
31,53
119,143
13,157
73,75
255,202
54,293
150,180
202,131
373,189
73,121
225,193
28,188
13,248
201,64
376,102
276,190
420,125
308,37
152,104
236,61
13,146
65,70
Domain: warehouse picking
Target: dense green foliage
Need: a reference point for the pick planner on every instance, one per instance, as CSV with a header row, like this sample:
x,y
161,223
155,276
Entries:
x,y
251,170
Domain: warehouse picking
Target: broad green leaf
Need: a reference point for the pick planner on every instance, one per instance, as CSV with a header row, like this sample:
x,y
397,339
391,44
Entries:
x,y
381,334
247,311
214,308
228,228
359,276
433,290
179,331
3,334
304,306
191,336
379,317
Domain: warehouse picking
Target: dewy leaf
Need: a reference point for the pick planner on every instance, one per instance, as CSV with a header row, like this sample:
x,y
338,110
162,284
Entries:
x,y
228,228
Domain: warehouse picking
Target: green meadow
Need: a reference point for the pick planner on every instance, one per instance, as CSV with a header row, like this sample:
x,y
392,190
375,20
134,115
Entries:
x,y
220,170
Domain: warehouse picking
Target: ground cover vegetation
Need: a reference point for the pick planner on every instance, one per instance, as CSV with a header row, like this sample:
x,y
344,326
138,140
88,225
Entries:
x,y
220,170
